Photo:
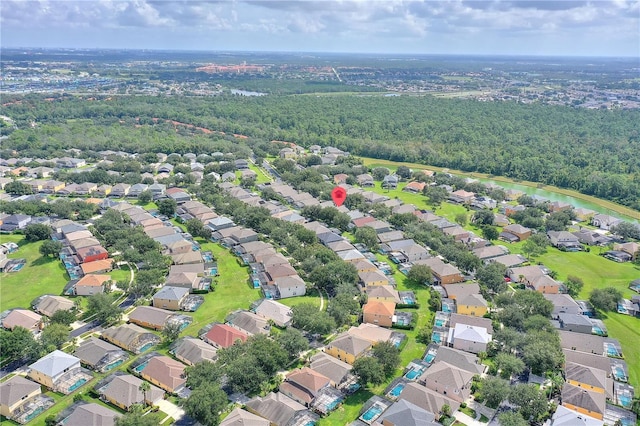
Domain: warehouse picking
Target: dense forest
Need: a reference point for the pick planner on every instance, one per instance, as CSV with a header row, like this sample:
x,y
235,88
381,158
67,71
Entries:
x,y
593,151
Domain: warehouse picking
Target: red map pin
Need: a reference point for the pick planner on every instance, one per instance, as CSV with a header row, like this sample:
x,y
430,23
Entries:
x,y
338,195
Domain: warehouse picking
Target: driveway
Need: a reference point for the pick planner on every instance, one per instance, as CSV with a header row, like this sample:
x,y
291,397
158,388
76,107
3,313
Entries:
x,y
171,409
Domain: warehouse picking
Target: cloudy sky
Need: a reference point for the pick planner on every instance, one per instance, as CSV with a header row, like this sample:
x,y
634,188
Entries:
x,y
525,27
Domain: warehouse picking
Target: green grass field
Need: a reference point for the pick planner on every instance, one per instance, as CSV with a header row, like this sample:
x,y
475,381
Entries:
x,y
39,276
627,330
232,292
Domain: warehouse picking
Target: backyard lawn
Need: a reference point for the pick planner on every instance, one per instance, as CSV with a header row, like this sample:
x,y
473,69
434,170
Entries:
x,y
627,330
39,276
348,411
231,293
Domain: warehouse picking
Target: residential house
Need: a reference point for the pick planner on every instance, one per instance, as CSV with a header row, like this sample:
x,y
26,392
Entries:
x,y
589,378
470,338
123,391
240,417
90,414
428,399
390,181
564,240
590,403
472,304
156,318
604,221
97,267
590,344
99,355
630,248
544,284
189,280
526,274
192,351
515,232
23,318
372,333
405,413
170,297
563,304
415,187
378,312
384,293
558,206
303,385
448,380
131,337
347,347
414,253
279,409
120,190
460,359
136,190
248,322
275,312
337,371
566,417
509,260
443,273
56,371
461,197
92,284
374,278
591,238
52,186
460,291
224,336
365,180
290,286
166,373
48,304
490,252
575,322
584,215
15,393
92,253
15,221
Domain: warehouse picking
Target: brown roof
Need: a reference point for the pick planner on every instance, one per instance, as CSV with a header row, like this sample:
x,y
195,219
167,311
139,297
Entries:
x,y
93,280
166,371
14,389
21,318
224,335
379,307
308,378
98,265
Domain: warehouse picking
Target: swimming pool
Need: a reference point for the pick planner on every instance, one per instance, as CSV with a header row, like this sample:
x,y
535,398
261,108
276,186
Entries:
x,y
17,267
597,330
446,308
625,401
141,367
612,350
332,405
113,365
619,373
414,373
34,414
77,384
440,322
268,295
397,390
407,300
436,337
430,357
372,413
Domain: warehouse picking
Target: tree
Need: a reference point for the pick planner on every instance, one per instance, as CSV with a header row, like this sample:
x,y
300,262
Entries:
x,y
144,388
435,194
627,230
424,334
17,188
388,355
342,307
420,274
167,207
493,391
492,276
508,365
145,197
101,306
197,229
292,341
54,336
50,248
367,235
542,352
369,371
203,373
435,300
379,173
489,232
63,316
404,172
19,344
605,299
205,403
306,316
532,402
330,275
135,417
532,249
511,418
462,219
483,217
37,232
574,285
171,332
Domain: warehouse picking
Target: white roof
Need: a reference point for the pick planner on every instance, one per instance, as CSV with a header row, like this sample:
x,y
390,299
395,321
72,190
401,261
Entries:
x,y
471,333
54,363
